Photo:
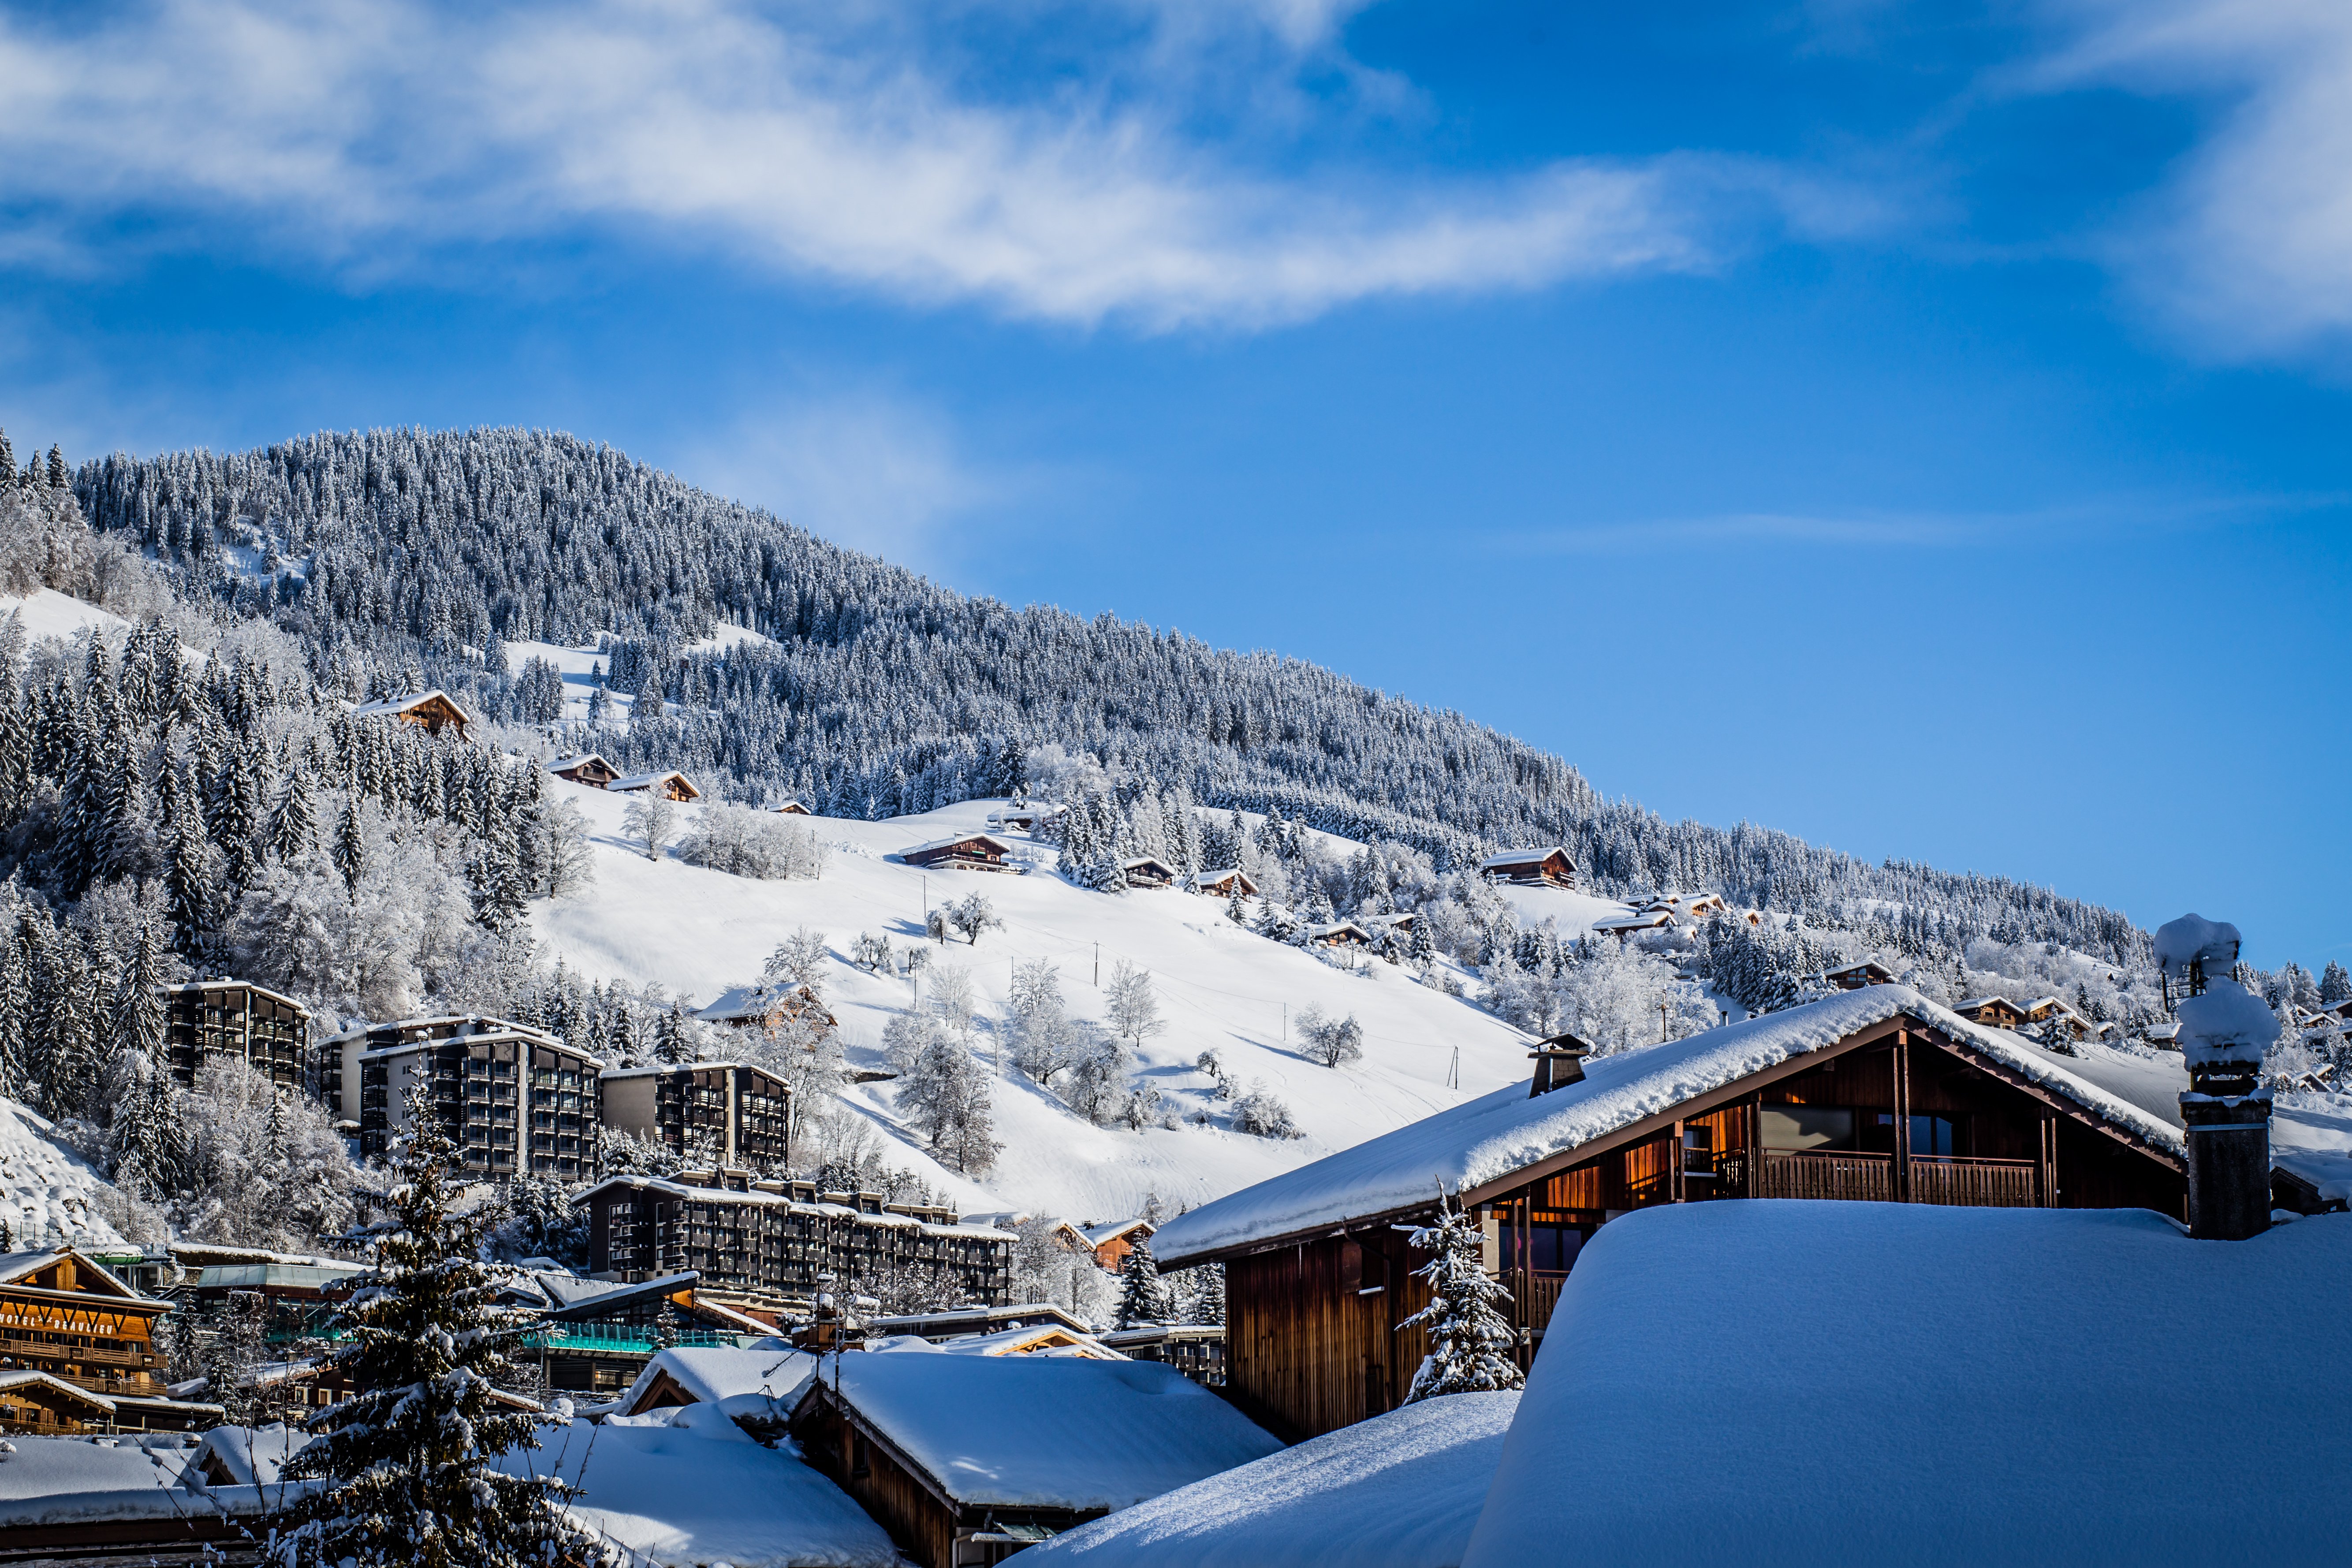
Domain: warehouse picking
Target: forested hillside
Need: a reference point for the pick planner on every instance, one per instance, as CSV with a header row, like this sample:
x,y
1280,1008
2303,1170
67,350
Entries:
x,y
403,557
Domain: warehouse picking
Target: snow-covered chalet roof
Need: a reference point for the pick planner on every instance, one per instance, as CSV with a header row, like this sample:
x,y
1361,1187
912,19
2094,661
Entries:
x,y
76,1482
1521,856
1140,861
1096,1235
647,780
717,1375
1050,1432
1973,1002
561,764
1510,1130
42,1380
2034,1375
407,700
1400,1491
990,839
17,1265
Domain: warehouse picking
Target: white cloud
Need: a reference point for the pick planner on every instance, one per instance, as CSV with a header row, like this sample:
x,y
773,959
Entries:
x,y
374,134
2248,247
861,469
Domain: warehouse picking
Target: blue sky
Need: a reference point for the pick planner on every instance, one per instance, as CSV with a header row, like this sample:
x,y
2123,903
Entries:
x,y
1920,428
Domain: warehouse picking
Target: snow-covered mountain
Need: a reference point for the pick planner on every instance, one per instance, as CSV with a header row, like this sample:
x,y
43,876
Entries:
x,y
1220,988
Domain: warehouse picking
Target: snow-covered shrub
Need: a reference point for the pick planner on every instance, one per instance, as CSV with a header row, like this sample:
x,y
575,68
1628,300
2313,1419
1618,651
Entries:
x,y
1334,1042
1096,1087
871,952
1616,998
266,1168
1260,1113
1043,1040
971,915
1129,999
743,842
648,820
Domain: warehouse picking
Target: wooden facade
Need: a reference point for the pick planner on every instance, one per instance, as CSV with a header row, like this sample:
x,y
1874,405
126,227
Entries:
x,y
431,711
916,1508
209,1019
1531,867
1854,976
69,1318
791,808
1894,1113
1992,1012
670,783
975,852
1148,871
591,769
1223,883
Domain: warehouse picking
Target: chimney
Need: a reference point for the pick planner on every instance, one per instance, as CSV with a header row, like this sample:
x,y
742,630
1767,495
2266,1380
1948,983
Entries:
x,y
2224,1030
1559,1061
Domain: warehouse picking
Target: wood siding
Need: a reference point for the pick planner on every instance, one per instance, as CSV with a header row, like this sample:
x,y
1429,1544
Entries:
x,y
1312,1339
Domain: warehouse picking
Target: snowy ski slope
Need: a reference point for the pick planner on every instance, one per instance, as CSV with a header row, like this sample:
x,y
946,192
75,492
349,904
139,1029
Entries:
x,y
697,933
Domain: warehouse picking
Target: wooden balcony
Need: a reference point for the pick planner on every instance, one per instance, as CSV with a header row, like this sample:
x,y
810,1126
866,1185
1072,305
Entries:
x,y
1974,1184
1870,1178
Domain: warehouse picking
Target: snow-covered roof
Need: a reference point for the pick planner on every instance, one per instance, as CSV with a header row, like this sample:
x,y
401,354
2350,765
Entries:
x,y
990,839
1520,857
59,1482
1096,1235
1648,921
43,1381
1052,1432
407,700
655,1069
1336,928
686,1488
248,1456
1036,1339
647,780
562,764
739,1002
1211,878
1140,861
15,1266
2034,1376
774,1376
953,1321
1509,1129
1400,1491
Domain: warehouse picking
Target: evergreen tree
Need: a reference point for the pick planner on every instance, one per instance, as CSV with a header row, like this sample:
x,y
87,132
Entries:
x,y
666,1325
1142,1299
294,829
189,878
56,468
1470,1341
406,1463
674,1035
350,846
1208,1293
2335,982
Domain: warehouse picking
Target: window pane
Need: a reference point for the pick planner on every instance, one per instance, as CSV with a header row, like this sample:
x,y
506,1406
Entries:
x,y
1807,1127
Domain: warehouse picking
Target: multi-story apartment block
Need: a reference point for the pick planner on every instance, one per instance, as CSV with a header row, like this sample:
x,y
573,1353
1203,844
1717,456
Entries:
x,y
224,1017
518,1102
766,1244
729,1113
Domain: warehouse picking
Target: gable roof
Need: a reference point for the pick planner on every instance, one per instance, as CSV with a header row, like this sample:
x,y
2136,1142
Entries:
x,y
1509,1131
1142,860
407,700
647,780
24,1377
560,763
751,1380
2094,1330
17,1265
1974,1003
1096,1235
990,839
1046,1432
1523,856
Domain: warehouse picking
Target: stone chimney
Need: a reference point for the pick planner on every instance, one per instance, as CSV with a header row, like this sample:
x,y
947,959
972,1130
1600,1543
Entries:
x,y
2224,1030
1559,1061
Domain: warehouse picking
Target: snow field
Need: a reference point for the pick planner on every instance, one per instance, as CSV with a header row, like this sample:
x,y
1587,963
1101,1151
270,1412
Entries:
x,y
1220,988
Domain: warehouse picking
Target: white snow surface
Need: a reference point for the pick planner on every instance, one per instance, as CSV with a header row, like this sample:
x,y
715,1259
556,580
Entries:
x,y
1028,1431
1508,1130
1400,1491
720,1375
73,1481
1220,988
695,1491
2058,1386
2227,1024
46,1188
46,613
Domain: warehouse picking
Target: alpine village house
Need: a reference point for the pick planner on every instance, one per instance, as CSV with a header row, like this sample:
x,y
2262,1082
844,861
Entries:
x,y
1873,1094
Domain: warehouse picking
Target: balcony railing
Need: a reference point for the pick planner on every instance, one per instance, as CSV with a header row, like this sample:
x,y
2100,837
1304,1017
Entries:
x,y
1870,1178
1974,1184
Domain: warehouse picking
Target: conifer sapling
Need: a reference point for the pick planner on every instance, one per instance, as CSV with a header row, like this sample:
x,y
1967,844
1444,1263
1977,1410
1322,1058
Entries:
x,y
1470,1341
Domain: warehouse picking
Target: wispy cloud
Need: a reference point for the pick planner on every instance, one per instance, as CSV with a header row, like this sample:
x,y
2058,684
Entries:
x,y
2248,247
377,134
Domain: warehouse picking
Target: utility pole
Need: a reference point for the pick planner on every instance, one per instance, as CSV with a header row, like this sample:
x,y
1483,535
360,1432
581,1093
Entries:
x,y
1661,1020
1097,966
1453,1073
1285,1023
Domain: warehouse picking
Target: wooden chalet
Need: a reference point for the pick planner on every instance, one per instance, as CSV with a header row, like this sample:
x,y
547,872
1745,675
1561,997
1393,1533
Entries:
x,y
670,783
1022,816
223,1017
1223,883
2044,1009
66,1316
971,852
37,1402
767,1007
945,1323
1624,926
1875,1095
591,769
1992,1012
791,808
1545,868
1148,871
966,1459
431,711
1854,976
1107,1244
1339,933
1196,1350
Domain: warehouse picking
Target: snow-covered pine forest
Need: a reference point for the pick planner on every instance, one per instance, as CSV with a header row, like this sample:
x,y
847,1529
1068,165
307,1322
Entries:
x,y
403,558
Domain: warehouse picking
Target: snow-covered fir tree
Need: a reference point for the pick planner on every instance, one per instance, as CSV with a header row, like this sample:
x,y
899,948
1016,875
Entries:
x,y
405,1463
1142,1297
1470,1341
